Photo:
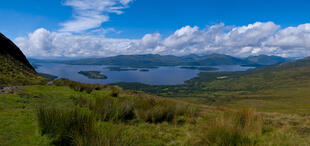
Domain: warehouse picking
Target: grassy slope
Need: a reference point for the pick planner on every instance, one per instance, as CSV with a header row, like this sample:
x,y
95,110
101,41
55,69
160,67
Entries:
x,y
13,72
19,124
14,67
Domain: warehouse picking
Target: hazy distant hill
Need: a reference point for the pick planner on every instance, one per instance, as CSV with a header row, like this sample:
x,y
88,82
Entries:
x,y
220,59
266,60
153,60
14,67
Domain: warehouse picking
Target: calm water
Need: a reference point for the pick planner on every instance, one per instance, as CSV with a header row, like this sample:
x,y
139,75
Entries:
x,y
157,76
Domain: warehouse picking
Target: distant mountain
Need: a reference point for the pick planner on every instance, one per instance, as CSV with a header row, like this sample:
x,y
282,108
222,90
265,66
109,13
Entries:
x,y
220,59
154,60
266,60
14,67
148,60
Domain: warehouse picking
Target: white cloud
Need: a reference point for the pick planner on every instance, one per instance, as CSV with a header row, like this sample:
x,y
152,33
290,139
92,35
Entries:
x,y
90,14
291,37
253,39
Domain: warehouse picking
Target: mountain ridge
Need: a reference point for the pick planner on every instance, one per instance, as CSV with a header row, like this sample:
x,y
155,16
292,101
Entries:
x,y
155,60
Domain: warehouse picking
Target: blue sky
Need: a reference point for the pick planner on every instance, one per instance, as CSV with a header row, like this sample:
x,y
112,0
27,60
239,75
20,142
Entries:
x,y
129,21
147,16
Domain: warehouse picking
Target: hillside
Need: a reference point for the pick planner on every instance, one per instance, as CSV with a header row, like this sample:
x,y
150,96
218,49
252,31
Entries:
x,y
72,113
154,60
14,67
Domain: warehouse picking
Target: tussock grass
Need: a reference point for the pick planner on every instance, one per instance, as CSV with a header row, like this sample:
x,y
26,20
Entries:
x,y
233,128
65,125
150,110
109,135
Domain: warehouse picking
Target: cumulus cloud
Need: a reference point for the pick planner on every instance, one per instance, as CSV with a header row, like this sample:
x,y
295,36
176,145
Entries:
x,y
241,41
43,43
90,14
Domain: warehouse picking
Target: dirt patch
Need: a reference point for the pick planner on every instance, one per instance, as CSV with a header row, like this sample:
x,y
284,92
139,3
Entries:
x,y
6,90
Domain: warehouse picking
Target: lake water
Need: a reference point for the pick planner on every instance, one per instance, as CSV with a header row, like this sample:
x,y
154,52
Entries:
x,y
156,76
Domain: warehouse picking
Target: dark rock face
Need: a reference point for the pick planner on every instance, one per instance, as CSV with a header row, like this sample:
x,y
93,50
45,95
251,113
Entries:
x,y
7,47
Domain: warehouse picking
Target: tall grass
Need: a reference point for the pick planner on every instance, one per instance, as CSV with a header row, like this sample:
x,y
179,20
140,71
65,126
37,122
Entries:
x,y
79,127
112,109
233,128
121,109
109,135
64,125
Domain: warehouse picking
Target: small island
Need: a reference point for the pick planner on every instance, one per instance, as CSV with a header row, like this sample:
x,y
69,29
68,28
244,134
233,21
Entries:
x,y
144,70
93,74
121,69
199,68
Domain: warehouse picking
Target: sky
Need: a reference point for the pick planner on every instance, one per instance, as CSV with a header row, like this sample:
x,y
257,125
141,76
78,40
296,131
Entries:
x,y
97,28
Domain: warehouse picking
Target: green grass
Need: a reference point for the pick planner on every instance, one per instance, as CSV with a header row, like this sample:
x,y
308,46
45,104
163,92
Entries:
x,y
29,117
20,124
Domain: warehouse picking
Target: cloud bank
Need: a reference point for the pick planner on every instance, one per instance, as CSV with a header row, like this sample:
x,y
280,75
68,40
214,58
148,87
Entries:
x,y
90,14
241,41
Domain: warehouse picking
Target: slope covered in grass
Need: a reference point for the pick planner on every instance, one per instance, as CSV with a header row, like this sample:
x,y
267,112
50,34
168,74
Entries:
x,y
68,114
14,67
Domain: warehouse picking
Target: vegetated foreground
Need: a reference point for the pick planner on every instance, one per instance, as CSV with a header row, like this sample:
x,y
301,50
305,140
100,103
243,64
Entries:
x,y
72,113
